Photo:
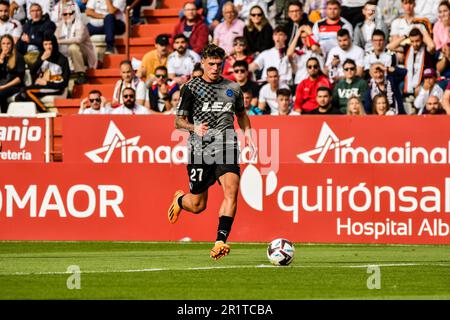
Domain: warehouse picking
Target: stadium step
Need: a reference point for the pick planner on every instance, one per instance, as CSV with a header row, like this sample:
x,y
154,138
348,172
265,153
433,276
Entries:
x,y
161,16
104,76
137,45
172,4
145,30
113,60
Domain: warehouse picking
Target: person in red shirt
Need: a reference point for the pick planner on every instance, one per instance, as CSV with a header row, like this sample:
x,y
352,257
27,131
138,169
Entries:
x,y
306,92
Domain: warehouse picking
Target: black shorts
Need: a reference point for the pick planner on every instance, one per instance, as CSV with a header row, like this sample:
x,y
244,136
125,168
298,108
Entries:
x,y
203,176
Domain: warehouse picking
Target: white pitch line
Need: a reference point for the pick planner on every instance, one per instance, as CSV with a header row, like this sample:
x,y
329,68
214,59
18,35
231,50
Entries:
x,y
224,267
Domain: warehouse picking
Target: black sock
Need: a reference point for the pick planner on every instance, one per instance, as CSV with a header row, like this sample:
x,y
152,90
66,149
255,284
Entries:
x,y
180,202
224,228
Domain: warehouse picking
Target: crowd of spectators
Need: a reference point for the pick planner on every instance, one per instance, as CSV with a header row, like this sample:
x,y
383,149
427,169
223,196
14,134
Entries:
x,y
290,57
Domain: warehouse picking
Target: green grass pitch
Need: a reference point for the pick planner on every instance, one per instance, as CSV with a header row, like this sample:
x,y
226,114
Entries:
x,y
178,271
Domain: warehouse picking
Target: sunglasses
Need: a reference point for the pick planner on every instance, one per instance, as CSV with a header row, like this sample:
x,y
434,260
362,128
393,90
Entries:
x,y
94,100
314,66
160,75
67,14
256,14
240,71
349,69
128,96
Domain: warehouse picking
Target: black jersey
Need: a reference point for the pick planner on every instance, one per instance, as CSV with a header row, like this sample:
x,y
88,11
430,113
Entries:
x,y
215,104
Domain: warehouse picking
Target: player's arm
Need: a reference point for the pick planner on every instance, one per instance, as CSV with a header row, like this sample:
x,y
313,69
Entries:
x,y
184,109
244,124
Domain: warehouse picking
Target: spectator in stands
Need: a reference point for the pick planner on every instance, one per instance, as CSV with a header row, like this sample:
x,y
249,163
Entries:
x,y
12,70
129,80
306,92
250,108
210,11
380,106
129,105
345,50
239,53
379,53
175,101
7,24
316,9
106,17
198,70
50,73
193,27
275,57
297,18
300,55
325,30
402,26
324,103
389,10
442,26
82,4
427,89
362,36
419,56
267,101
352,11
284,101
135,6
427,9
162,90
355,107
57,13
230,28
443,64
434,106
446,99
258,31
351,85
244,7
155,58
385,81
240,70
30,43
75,43
94,103
181,62
46,6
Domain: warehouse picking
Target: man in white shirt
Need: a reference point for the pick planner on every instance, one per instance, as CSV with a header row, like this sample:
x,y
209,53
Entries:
x,y
275,57
268,92
130,80
8,25
379,53
345,50
182,60
129,105
106,17
284,101
97,104
403,25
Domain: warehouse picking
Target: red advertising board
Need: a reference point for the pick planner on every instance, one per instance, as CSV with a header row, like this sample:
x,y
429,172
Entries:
x,y
302,202
22,139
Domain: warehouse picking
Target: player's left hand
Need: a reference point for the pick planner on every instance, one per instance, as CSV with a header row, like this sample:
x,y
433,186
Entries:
x,y
253,149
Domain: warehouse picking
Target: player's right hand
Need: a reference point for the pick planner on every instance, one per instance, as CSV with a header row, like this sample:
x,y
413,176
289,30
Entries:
x,y
201,129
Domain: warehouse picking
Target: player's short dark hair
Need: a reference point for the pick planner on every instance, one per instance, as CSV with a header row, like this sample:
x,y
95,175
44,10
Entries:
x,y
95,91
333,2
241,63
279,29
180,36
213,51
325,89
285,92
163,68
5,3
349,61
343,32
197,67
380,33
415,32
270,69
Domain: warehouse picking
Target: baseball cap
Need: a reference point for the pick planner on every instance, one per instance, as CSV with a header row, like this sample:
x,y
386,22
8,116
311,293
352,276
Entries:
x,y
162,39
429,73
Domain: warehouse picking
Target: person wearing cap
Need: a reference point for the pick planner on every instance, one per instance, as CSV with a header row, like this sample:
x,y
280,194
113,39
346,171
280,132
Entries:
x,y
427,89
193,26
75,43
155,58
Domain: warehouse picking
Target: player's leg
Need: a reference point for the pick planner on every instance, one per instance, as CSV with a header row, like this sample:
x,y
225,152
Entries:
x,y
230,186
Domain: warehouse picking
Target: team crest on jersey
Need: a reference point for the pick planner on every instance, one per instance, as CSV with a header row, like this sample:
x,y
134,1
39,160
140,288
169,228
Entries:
x,y
229,92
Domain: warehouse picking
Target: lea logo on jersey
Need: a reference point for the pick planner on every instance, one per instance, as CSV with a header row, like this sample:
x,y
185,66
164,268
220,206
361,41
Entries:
x,y
217,106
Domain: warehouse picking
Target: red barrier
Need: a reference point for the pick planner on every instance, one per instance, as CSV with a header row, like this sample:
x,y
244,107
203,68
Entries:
x,y
23,140
304,203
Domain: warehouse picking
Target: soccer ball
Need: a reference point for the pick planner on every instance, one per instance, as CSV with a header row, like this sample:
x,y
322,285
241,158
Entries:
x,y
280,252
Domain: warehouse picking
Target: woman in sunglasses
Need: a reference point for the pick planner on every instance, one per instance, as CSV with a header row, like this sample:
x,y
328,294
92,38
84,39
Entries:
x,y
75,43
239,54
258,31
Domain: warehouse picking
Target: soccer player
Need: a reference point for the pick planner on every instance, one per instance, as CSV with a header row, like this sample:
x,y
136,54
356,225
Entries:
x,y
206,109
